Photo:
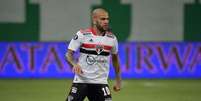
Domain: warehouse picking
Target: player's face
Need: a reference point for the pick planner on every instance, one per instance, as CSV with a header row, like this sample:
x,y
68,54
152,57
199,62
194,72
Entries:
x,y
102,22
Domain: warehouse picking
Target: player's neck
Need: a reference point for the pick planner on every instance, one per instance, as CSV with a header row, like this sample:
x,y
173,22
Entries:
x,y
98,32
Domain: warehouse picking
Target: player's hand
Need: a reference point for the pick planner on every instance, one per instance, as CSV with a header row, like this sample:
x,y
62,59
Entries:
x,y
117,86
77,69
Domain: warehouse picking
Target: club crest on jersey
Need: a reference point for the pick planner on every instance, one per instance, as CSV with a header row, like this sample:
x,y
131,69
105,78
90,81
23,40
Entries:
x,y
99,49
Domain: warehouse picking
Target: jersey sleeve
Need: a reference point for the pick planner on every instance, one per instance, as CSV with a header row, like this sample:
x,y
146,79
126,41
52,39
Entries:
x,y
75,41
115,46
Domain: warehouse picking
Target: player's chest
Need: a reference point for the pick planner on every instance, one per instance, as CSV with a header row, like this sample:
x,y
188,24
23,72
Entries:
x,y
99,40
98,43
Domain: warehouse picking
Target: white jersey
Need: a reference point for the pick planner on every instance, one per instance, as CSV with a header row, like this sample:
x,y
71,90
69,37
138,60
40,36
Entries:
x,y
94,55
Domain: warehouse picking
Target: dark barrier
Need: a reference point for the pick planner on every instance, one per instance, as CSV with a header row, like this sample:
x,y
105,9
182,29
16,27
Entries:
x,y
138,60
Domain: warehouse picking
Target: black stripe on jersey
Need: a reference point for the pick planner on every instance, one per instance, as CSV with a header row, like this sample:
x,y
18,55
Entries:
x,y
94,52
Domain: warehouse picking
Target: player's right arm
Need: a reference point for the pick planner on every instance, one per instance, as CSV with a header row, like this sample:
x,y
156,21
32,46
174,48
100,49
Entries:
x,y
75,67
73,46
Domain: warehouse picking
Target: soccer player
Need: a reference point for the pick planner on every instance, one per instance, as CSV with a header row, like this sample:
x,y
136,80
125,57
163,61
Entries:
x,y
95,44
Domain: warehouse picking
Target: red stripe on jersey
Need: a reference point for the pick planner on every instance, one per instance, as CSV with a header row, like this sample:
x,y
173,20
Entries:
x,y
107,47
86,45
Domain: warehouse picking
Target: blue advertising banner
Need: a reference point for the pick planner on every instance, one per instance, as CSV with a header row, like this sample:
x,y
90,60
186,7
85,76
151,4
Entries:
x,y
137,59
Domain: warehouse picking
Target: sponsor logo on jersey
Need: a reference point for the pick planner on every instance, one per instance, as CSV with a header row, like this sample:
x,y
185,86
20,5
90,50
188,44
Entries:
x,y
92,59
75,37
91,40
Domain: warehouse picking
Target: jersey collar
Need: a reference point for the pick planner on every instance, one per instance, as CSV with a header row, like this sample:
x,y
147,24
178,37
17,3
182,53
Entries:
x,y
94,32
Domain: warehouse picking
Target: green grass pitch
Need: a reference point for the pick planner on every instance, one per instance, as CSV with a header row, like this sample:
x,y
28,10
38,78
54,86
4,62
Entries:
x,y
133,90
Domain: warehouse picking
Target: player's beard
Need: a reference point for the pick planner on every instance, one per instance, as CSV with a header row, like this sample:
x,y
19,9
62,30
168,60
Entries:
x,y
101,28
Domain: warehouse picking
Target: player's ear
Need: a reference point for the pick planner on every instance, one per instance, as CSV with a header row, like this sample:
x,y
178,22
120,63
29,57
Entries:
x,y
94,22
94,18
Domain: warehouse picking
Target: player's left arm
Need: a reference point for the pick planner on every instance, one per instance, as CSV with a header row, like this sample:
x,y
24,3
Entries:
x,y
116,65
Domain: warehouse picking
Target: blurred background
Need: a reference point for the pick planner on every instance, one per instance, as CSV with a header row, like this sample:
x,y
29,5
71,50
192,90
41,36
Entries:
x,y
159,48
